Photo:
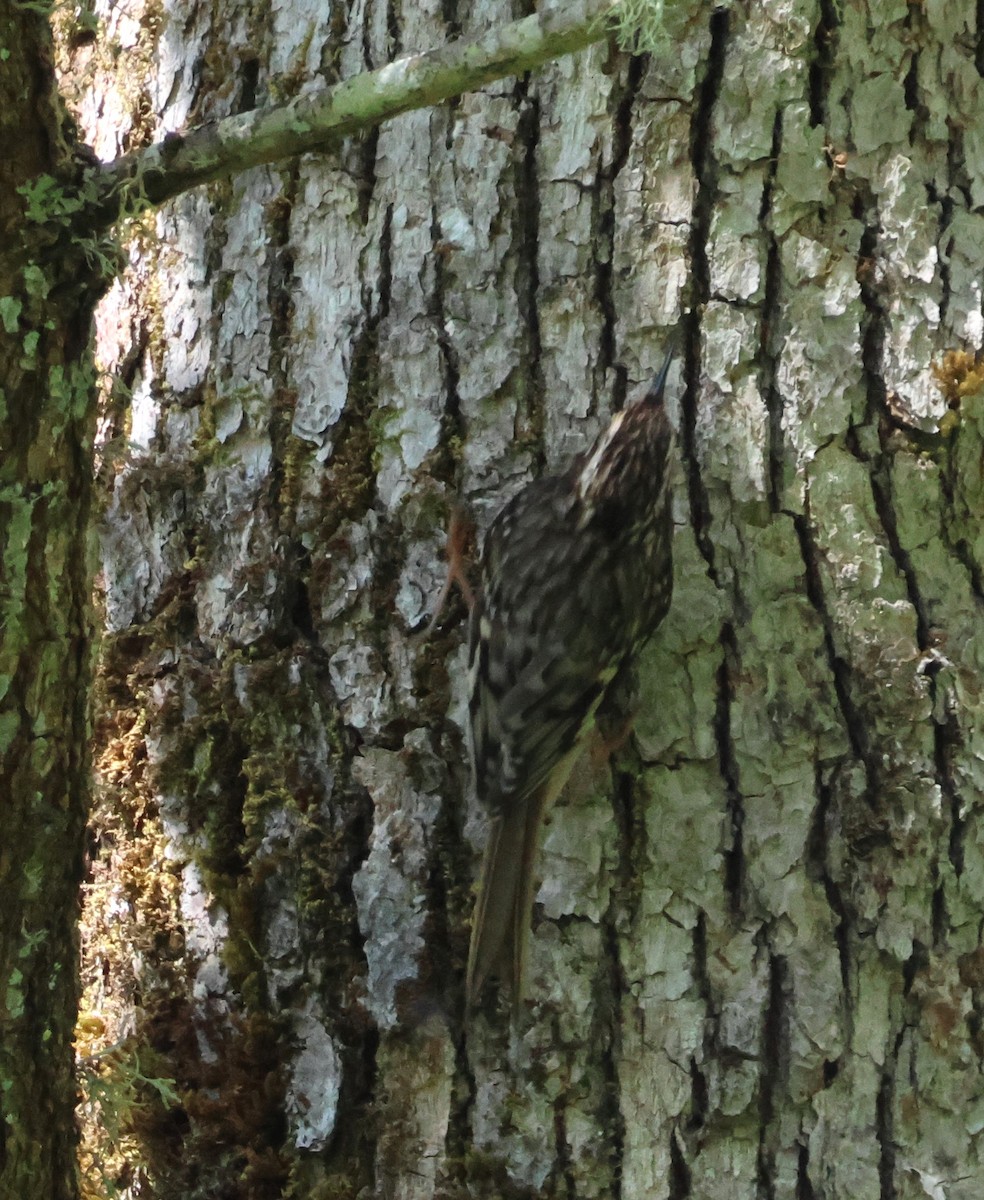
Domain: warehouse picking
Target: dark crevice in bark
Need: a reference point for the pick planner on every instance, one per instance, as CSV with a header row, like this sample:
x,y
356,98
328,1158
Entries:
x,y
451,18
133,358
698,1097
804,1188
734,856
359,1087
563,1172
385,265
452,426
916,33
249,77
946,205
962,551
946,732
855,727
946,742
679,1181
394,30
885,1121
447,886
611,1114
218,278
940,915
958,186
363,376
527,264
350,484
914,965
350,478
958,828
605,237
975,1023
448,889
366,151
825,39
622,141
972,977
117,407
460,1138
979,48
954,541
340,33
706,172
295,615
366,38
880,470
819,867
879,467
352,810
624,903
698,1081
775,1034
452,109
769,333
298,610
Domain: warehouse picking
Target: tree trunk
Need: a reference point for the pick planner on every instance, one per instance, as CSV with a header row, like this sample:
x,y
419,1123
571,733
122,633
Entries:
x,y
49,281
757,965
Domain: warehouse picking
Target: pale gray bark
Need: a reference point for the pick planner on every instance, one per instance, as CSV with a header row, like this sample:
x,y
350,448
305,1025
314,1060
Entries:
x,y
314,121
757,970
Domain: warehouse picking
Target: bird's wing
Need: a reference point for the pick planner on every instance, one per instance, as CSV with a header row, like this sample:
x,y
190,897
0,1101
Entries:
x,y
537,675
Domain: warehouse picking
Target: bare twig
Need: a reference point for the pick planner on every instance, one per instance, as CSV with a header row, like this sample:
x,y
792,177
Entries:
x,y
311,122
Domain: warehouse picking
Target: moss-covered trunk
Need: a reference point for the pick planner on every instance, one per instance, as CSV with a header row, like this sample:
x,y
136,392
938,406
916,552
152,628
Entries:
x,y
47,292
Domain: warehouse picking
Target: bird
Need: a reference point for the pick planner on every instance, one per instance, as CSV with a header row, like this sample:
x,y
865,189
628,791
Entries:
x,y
575,576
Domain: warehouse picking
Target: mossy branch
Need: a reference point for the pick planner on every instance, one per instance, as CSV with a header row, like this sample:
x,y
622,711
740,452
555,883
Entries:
x,y
312,122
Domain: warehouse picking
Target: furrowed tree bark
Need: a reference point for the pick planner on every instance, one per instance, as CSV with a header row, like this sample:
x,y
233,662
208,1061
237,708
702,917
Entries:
x,y
311,122
53,266
757,959
48,289
756,966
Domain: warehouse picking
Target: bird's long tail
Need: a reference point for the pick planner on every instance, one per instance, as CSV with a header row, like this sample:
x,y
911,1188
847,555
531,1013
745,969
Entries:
x,y
504,907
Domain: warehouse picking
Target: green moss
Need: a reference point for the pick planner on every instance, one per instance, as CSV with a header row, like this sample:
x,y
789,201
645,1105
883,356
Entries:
x,y
35,281
959,375
205,440
285,86
29,360
235,1103
350,484
10,310
60,208
227,1122
9,724
14,996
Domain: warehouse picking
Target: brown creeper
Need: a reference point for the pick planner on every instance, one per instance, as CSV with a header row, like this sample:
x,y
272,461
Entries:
x,y
575,576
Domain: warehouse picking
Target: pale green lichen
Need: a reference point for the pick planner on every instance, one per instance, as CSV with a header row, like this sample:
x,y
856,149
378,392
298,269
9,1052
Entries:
x,y
639,25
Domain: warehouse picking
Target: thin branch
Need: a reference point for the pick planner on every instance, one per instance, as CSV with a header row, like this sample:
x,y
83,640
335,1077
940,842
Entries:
x,y
312,122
